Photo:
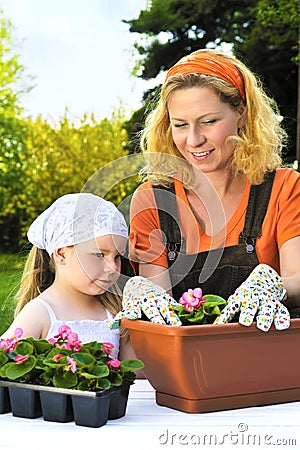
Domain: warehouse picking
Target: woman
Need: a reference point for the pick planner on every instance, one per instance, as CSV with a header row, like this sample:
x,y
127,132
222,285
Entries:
x,y
214,139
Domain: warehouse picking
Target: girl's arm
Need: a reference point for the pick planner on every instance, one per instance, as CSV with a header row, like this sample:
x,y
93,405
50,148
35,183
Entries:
x,y
33,319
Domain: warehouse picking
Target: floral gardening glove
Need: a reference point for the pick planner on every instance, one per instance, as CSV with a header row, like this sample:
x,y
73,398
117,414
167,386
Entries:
x,y
261,293
140,295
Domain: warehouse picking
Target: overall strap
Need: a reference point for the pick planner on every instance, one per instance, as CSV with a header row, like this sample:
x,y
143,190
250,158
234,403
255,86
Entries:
x,y
169,221
257,207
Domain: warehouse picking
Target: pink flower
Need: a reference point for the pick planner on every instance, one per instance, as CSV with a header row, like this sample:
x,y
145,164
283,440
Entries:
x,y
72,365
107,347
10,343
114,364
73,342
72,337
192,299
18,333
56,358
76,347
63,332
19,359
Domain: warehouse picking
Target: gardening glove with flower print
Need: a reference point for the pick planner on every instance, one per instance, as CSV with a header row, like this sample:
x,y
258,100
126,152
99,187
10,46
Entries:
x,y
140,295
261,293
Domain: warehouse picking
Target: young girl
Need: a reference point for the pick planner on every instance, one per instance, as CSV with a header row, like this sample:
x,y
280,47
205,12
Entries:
x,y
71,271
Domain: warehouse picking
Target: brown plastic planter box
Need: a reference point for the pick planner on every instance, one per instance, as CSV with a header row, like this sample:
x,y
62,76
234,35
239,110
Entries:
x,y
201,368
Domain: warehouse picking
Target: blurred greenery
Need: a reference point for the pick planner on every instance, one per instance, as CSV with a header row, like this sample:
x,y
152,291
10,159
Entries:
x,y
41,161
11,267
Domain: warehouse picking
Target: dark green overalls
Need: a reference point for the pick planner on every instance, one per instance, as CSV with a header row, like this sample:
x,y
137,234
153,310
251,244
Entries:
x,y
218,271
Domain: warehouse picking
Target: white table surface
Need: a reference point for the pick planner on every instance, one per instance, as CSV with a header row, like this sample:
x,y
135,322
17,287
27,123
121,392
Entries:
x,y
149,426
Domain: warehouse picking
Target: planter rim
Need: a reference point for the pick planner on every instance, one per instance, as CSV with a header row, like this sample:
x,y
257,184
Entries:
x,y
196,330
37,387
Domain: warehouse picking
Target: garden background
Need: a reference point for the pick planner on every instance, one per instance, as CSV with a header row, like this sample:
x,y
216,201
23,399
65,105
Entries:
x,y
42,160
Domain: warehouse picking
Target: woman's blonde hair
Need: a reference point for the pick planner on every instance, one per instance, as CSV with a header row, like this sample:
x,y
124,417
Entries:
x,y
39,274
258,145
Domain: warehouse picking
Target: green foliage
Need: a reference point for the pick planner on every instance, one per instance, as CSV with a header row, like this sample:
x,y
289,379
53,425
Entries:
x,y
39,160
264,33
205,314
10,274
49,161
63,365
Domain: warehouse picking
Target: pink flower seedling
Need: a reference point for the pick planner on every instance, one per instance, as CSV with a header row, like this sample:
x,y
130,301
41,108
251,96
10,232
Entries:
x,y
113,364
63,332
19,359
192,299
10,343
108,347
72,365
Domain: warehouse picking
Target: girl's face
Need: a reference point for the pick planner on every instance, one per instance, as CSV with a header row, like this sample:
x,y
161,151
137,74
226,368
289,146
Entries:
x,y
95,265
200,125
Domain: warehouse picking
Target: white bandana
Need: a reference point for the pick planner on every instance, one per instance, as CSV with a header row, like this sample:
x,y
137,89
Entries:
x,y
76,218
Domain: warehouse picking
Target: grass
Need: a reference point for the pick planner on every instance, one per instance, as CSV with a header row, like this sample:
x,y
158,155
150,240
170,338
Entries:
x,y
11,267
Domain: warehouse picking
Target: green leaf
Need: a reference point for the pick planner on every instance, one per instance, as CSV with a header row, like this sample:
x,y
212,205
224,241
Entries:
x,y
65,379
83,385
14,371
24,348
212,310
131,365
41,345
103,383
116,379
93,347
98,371
214,298
56,364
3,358
83,359
56,351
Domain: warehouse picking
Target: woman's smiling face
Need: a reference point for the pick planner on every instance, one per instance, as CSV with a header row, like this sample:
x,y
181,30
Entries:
x,y
201,124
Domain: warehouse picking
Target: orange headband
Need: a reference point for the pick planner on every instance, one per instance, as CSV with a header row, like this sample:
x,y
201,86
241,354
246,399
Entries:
x,y
209,64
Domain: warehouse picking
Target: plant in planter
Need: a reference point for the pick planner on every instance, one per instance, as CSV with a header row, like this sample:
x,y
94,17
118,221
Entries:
x,y
195,308
209,367
62,364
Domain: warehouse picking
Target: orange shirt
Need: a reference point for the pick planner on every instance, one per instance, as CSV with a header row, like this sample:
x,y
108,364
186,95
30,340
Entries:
x,y
282,222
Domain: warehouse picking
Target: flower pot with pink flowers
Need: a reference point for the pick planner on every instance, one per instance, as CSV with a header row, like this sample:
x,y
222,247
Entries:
x,y
60,378
196,365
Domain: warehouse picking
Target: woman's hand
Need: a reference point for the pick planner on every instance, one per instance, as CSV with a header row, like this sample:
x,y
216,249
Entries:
x,y
142,296
259,295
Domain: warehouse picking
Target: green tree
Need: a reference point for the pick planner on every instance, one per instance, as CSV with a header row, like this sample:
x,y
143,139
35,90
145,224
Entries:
x,y
260,31
40,161
13,83
54,160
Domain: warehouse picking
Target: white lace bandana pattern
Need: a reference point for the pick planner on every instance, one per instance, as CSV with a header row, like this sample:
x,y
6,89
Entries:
x,y
76,218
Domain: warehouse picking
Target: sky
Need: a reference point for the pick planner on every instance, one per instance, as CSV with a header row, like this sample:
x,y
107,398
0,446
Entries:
x,y
79,53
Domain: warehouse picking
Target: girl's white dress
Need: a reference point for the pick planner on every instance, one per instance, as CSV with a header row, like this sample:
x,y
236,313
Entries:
x,y
87,330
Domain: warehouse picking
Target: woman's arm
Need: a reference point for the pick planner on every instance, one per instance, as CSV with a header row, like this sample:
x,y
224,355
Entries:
x,y
157,274
290,271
